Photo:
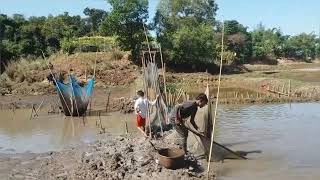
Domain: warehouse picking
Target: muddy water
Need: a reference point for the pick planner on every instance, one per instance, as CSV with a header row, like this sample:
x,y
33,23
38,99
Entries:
x,y
286,134
19,133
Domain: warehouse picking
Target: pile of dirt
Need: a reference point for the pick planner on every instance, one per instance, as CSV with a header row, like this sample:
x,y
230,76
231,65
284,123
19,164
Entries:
x,y
112,157
109,71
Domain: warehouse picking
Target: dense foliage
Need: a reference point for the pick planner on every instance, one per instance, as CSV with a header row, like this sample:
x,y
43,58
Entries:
x,y
187,30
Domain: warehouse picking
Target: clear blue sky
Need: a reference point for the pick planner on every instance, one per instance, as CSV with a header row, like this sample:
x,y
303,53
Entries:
x,y
291,16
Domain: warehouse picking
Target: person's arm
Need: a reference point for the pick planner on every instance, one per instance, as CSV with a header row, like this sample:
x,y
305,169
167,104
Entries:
x,y
178,119
152,103
136,107
193,122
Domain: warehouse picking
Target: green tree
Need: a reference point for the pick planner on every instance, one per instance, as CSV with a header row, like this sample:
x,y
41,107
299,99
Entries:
x,y
302,46
126,21
267,43
318,48
185,30
95,18
238,41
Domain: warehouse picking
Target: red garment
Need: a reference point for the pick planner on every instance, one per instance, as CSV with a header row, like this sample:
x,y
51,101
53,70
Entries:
x,y
140,122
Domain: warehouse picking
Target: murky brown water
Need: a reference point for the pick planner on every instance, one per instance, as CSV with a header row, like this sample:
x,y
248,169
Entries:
x,y
286,134
19,133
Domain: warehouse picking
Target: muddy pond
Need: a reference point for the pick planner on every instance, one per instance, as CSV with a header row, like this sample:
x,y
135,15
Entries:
x,y
286,135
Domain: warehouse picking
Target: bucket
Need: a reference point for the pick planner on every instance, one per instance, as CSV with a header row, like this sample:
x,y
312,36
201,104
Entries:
x,y
171,158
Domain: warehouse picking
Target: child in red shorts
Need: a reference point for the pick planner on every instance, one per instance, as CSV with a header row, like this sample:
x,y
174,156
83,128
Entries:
x,y
140,107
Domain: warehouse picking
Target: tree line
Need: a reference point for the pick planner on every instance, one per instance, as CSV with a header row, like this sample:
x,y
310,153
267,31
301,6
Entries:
x,y
189,34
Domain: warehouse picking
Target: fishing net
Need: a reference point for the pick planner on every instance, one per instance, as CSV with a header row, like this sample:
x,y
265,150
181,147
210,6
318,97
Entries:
x,y
73,97
219,152
158,113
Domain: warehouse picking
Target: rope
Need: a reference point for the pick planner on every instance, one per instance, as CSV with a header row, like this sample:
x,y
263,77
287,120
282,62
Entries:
x,y
217,101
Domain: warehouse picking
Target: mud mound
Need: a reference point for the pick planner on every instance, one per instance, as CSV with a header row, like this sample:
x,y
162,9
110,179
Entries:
x,y
113,157
135,159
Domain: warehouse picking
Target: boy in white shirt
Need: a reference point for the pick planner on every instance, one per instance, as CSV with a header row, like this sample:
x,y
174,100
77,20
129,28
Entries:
x,y
140,108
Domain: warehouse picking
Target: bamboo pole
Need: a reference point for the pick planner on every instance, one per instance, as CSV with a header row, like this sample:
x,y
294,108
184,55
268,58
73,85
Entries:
x,y
95,65
36,112
289,90
85,73
83,121
73,97
126,127
148,113
94,76
164,74
32,107
217,100
108,101
55,81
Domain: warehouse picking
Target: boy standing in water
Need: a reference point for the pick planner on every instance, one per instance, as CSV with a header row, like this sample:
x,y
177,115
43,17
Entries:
x,y
140,108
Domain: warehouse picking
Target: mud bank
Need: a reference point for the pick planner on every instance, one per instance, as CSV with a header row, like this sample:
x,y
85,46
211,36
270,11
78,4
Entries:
x,y
111,157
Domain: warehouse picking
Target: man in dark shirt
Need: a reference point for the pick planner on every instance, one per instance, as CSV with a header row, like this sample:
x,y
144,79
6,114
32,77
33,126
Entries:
x,y
180,115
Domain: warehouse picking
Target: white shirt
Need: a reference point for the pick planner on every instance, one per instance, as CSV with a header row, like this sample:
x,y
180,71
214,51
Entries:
x,y
141,105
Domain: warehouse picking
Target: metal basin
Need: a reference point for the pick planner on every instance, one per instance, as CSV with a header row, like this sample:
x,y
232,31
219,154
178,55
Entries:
x,y
172,158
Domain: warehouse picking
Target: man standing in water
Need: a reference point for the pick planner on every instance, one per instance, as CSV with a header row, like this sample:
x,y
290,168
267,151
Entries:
x,y
181,113
140,108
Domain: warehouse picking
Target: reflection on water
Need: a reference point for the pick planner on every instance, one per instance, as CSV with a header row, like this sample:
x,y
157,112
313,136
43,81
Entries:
x,y
286,134
19,133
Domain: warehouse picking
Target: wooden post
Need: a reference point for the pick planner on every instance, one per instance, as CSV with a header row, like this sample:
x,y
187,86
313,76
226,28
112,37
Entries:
x,y
282,90
100,119
38,109
289,90
32,107
164,82
126,127
83,121
85,73
108,100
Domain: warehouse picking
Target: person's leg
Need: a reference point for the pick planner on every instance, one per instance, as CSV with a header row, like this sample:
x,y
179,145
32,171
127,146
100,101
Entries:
x,y
140,123
185,138
141,129
182,136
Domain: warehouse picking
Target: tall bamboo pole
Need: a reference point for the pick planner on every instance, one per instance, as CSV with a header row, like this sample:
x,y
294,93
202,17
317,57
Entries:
x,y
55,81
148,108
163,74
217,100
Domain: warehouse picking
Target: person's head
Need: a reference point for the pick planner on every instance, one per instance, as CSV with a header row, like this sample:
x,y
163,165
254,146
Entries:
x,y
140,93
201,100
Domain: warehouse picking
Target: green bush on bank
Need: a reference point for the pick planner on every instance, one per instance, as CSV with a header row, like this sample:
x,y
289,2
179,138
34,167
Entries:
x,y
89,44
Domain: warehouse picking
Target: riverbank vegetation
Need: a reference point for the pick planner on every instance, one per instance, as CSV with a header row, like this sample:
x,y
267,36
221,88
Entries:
x,y
188,32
